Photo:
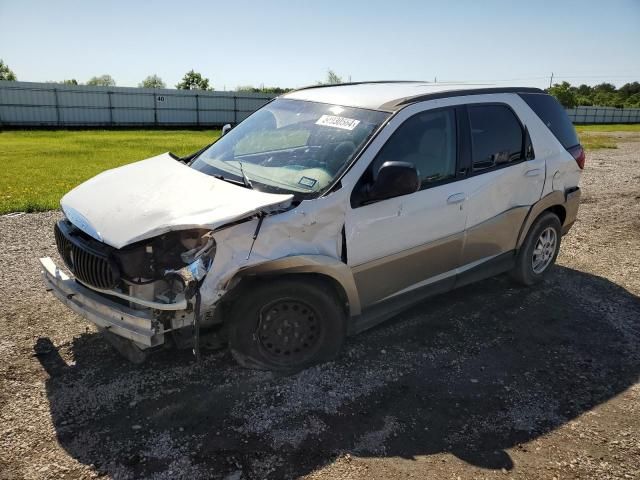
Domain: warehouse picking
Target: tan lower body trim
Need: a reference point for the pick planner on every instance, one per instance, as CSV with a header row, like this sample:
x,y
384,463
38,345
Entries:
x,y
383,277
494,236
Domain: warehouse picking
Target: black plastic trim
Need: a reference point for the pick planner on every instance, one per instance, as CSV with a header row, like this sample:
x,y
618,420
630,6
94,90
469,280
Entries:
x,y
459,93
464,144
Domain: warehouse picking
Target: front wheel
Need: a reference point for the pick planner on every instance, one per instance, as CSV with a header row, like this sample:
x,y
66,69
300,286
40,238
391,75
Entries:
x,y
539,250
286,325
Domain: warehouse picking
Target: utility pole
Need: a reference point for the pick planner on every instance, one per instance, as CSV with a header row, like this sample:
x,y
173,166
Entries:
x,y
551,80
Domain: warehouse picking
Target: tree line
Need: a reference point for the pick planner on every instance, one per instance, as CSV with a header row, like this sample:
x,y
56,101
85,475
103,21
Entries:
x,y
601,95
192,80
570,96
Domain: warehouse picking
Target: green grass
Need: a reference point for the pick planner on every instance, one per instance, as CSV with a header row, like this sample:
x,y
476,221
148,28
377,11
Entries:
x,y
597,142
38,167
595,137
621,127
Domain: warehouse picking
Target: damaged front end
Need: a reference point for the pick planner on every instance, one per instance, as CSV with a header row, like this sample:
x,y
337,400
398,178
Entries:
x,y
139,292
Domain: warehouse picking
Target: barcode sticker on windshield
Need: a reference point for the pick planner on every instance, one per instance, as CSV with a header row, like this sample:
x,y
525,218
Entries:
x,y
308,182
338,122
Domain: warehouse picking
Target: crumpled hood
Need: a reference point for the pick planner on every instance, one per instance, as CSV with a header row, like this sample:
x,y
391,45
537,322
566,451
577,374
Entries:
x,y
147,198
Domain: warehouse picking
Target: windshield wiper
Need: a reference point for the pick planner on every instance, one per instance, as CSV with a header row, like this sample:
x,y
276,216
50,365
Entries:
x,y
245,179
230,180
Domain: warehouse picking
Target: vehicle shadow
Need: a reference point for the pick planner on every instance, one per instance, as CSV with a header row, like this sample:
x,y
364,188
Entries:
x,y
474,372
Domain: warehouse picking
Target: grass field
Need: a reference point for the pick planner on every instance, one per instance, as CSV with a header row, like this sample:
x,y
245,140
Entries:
x,y
618,127
38,167
594,137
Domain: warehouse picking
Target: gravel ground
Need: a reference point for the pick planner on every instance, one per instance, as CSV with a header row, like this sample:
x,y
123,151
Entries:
x,y
489,381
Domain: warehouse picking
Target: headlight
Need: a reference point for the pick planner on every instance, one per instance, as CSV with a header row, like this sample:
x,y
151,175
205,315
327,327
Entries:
x,y
198,245
150,259
198,258
185,280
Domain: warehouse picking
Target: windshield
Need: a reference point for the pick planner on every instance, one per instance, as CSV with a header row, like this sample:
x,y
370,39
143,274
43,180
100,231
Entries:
x,y
291,146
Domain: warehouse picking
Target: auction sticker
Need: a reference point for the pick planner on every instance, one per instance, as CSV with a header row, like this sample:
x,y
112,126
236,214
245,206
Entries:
x,y
338,122
308,182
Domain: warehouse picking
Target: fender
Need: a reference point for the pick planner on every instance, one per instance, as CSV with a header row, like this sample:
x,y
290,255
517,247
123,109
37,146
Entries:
x,y
568,200
319,264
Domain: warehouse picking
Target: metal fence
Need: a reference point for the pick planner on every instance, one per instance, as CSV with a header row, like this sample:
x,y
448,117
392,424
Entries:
x,y
55,105
604,115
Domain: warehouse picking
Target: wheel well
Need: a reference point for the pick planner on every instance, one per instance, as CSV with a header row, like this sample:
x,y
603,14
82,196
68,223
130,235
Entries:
x,y
559,211
245,284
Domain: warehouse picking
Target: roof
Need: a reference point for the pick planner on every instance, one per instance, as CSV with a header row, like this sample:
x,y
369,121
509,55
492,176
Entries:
x,y
393,95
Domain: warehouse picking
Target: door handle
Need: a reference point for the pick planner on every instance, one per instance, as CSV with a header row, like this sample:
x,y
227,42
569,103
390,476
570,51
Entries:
x,y
456,198
533,173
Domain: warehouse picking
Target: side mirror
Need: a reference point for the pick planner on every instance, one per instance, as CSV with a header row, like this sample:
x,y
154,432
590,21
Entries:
x,y
226,129
393,180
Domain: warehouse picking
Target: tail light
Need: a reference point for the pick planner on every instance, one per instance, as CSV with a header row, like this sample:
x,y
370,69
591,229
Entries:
x,y
578,154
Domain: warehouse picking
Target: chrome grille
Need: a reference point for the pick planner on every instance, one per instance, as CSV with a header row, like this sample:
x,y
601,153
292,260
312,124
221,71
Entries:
x,y
89,266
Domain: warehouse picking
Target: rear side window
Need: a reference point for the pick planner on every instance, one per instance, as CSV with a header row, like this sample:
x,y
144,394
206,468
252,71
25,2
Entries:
x,y
496,136
553,116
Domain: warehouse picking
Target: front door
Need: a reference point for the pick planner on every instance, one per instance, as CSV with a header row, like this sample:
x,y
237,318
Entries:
x,y
400,243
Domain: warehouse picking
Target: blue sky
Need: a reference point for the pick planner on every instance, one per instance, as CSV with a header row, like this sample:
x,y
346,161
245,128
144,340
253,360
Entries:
x,y
292,44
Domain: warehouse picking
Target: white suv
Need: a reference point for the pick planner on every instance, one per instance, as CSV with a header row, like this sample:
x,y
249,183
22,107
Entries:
x,y
325,212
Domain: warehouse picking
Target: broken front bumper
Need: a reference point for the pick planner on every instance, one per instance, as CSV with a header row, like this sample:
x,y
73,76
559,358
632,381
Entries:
x,y
138,326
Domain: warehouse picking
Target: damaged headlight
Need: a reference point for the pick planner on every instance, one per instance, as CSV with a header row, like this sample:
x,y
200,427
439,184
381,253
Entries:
x,y
150,260
198,257
198,245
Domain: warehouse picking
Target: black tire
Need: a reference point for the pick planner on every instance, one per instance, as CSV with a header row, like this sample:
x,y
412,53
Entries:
x,y
286,325
524,271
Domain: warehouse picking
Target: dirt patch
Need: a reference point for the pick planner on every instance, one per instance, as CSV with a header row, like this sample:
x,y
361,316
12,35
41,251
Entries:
x,y
489,381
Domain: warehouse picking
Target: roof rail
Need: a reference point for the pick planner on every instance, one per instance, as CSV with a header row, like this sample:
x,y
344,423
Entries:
x,y
346,84
458,93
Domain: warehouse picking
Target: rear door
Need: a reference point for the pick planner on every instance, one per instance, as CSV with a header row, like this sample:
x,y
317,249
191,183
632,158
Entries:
x,y
505,180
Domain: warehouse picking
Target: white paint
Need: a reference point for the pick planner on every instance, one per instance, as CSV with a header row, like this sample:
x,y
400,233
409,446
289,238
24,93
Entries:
x,y
312,228
147,198
390,226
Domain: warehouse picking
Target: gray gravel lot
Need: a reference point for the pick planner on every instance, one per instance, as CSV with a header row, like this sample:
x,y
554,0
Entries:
x,y
489,381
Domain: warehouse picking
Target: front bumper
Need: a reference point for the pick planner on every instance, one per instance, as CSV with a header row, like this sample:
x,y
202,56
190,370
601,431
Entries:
x,y
138,326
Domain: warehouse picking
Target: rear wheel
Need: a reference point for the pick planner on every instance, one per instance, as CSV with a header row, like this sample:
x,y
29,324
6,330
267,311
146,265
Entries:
x,y
539,250
286,325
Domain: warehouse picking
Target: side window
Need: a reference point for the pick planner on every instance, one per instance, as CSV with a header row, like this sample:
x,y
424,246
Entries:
x,y
428,141
496,136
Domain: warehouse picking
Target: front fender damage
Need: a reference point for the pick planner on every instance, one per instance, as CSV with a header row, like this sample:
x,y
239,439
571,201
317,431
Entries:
x,y
313,230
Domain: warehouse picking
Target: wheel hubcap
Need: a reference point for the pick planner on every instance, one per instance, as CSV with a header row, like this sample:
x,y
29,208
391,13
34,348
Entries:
x,y
288,330
544,250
